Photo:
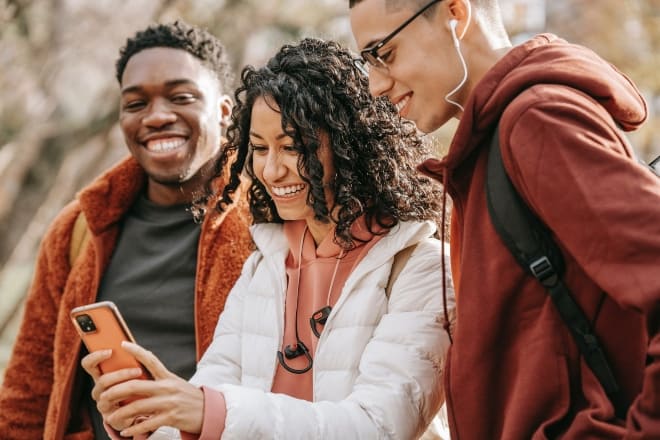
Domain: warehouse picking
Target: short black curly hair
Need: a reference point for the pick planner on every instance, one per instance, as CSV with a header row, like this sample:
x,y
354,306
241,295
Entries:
x,y
179,35
324,99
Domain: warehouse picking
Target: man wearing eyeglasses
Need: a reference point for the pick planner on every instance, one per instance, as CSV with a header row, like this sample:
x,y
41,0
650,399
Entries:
x,y
514,370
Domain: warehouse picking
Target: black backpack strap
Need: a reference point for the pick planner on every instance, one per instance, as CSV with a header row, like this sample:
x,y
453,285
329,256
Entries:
x,y
530,242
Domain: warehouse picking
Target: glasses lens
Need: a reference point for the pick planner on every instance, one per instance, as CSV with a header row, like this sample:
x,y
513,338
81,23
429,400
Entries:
x,y
373,60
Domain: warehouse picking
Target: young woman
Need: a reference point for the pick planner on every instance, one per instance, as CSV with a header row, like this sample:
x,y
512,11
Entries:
x,y
318,338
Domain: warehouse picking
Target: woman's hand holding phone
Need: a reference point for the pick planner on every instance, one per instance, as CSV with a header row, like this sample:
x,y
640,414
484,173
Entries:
x,y
129,381
102,330
91,364
168,399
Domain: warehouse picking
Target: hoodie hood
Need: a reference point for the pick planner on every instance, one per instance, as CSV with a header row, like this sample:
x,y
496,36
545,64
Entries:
x,y
545,59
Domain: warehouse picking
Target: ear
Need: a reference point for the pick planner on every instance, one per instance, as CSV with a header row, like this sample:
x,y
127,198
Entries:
x,y
225,105
461,11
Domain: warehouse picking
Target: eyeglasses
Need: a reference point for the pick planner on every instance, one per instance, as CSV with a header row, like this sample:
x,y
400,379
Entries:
x,y
370,57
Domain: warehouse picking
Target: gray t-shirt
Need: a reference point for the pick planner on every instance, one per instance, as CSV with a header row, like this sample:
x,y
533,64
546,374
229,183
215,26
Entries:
x,y
151,279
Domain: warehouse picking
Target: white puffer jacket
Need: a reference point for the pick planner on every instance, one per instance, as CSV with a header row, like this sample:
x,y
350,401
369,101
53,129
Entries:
x,y
377,366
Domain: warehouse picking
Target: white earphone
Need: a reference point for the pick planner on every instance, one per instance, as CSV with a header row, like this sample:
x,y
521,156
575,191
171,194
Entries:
x,y
453,23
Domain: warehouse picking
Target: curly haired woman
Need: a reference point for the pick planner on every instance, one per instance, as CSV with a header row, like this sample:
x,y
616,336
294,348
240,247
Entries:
x,y
318,338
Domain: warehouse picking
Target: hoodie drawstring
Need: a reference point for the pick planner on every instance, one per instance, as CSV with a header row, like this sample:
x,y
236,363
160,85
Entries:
x,y
447,323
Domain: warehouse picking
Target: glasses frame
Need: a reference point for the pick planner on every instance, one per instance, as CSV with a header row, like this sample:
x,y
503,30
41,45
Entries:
x,y
369,55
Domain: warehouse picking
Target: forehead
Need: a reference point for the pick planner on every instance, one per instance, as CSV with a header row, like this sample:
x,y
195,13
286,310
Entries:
x,y
373,20
159,65
265,115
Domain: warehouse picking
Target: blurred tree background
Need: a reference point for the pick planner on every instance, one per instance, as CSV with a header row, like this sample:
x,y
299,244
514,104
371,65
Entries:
x,y
58,95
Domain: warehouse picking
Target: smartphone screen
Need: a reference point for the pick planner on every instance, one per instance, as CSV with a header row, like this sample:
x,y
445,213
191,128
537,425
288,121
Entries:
x,y
101,326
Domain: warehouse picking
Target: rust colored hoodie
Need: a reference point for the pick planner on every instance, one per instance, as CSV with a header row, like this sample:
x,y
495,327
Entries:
x,y
514,370
39,397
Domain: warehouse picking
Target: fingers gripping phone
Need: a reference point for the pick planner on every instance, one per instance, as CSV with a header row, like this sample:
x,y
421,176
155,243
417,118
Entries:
x,y
101,326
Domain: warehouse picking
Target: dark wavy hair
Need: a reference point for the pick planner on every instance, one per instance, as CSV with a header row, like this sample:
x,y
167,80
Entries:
x,y
323,97
179,35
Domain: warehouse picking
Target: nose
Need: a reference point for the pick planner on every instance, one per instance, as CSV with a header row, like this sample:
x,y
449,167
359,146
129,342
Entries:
x,y
274,168
159,114
379,82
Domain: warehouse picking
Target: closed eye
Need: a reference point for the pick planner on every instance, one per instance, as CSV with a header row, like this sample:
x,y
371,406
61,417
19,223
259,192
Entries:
x,y
258,149
386,56
291,149
132,106
184,98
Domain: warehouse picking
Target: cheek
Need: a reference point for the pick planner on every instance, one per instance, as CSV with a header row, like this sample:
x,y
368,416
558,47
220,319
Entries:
x,y
208,132
202,122
204,119
291,163
258,164
128,127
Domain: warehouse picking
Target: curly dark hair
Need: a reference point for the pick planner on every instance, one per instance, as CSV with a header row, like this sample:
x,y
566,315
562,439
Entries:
x,y
323,96
179,35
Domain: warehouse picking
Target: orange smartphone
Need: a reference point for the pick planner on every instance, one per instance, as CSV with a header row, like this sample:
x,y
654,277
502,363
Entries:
x,y
101,326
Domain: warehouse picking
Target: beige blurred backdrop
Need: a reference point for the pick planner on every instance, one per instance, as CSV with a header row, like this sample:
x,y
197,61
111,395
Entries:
x,y
59,98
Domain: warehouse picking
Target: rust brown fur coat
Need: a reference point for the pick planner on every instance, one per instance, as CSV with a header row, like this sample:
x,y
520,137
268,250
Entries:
x,y
39,397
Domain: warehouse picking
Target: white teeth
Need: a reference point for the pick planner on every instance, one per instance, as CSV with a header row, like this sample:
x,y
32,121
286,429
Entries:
x,y
160,145
282,191
401,104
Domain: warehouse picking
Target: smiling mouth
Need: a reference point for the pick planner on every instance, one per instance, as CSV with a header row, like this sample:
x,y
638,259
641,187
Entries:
x,y
402,103
164,145
287,191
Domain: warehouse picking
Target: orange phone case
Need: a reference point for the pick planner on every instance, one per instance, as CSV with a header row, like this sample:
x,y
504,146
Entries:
x,y
101,326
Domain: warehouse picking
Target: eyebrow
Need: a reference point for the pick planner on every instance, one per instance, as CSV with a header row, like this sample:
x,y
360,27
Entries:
x,y
278,137
170,83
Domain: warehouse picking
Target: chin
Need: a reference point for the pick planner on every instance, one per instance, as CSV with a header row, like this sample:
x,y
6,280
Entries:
x,y
425,128
430,125
167,179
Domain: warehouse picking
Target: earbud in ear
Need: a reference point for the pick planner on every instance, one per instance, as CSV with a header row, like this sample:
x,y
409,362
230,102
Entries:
x,y
452,25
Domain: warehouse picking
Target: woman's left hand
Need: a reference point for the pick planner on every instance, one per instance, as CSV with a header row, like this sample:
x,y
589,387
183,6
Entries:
x,y
167,400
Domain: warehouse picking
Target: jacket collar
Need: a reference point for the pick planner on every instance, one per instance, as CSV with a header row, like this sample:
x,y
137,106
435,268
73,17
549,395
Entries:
x,y
107,198
272,242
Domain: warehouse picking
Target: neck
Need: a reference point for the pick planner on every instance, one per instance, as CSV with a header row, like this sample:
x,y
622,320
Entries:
x,y
482,50
318,229
168,194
